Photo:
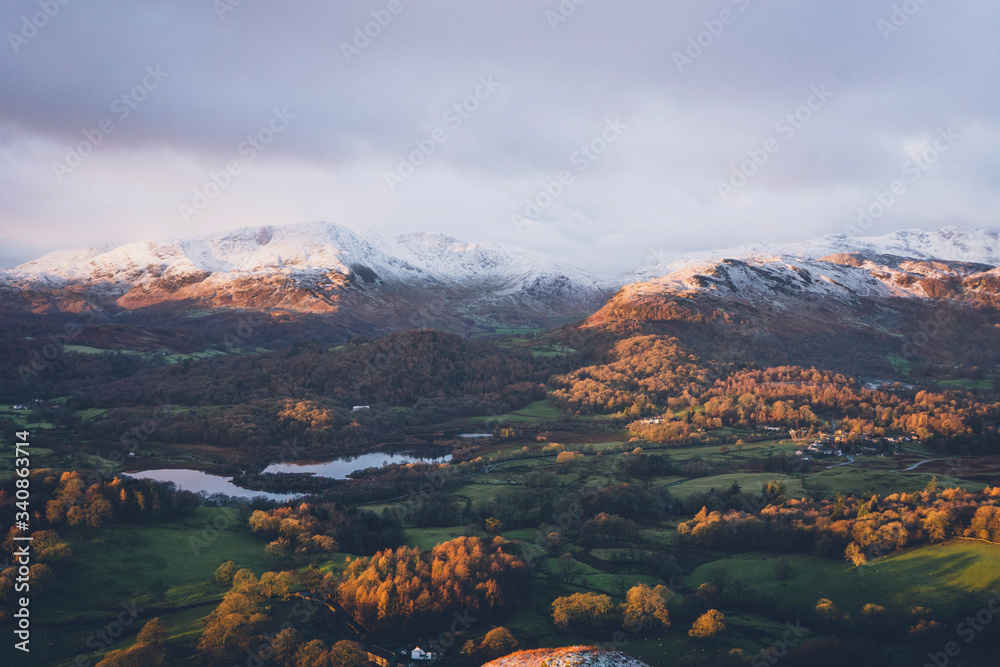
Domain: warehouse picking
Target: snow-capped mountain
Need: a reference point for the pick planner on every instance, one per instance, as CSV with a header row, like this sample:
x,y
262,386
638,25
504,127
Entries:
x,y
948,243
418,280
842,275
312,267
302,249
834,274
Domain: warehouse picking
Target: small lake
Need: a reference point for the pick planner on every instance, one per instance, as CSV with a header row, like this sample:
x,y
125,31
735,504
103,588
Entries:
x,y
197,481
341,467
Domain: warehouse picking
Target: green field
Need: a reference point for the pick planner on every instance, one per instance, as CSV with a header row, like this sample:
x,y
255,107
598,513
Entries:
x,y
950,577
428,538
126,562
166,571
858,480
24,418
751,482
966,383
533,412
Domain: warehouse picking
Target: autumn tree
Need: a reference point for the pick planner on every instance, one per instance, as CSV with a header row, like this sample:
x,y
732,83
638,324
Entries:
x,y
137,655
854,554
314,654
932,486
413,589
497,643
938,525
154,633
284,645
346,653
234,626
147,650
710,624
646,608
828,610
583,612
224,573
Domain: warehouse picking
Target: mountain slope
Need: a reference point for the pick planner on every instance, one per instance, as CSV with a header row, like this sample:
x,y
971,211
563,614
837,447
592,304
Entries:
x,y
948,243
315,267
855,275
861,305
372,284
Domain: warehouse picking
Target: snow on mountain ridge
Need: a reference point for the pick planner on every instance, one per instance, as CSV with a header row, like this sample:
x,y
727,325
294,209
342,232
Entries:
x,y
310,250
305,250
948,243
770,280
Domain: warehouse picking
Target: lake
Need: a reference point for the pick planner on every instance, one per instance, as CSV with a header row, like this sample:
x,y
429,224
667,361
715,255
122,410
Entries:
x,y
341,467
197,481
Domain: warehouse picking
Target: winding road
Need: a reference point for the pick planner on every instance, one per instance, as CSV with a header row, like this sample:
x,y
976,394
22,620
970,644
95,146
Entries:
x,y
845,463
920,464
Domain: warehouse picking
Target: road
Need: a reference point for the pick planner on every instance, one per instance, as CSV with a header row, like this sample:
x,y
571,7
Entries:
x,y
846,463
920,464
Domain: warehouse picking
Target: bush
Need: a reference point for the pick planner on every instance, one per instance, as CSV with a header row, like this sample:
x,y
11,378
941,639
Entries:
x,y
583,613
708,625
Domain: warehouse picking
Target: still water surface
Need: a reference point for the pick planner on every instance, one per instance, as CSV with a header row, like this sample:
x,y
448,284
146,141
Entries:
x,y
197,481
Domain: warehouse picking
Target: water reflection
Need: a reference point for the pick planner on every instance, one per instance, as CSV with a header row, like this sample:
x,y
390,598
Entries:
x,y
341,467
197,481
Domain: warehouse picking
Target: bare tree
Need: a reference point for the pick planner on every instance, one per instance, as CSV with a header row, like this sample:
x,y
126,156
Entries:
x,y
719,577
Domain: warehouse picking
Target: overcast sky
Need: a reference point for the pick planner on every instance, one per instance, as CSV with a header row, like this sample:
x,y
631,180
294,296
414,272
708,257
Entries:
x,y
113,114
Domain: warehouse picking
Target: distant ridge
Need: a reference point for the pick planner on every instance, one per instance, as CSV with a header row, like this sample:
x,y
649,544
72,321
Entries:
x,y
370,283
411,280
948,243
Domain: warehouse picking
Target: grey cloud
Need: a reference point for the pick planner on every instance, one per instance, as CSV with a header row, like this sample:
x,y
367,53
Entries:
x,y
354,119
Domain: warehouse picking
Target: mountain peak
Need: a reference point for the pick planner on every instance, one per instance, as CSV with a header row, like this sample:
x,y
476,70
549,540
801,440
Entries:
x,y
950,243
312,266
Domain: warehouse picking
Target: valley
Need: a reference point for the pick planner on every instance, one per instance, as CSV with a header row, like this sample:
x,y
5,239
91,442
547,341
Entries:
x,y
726,450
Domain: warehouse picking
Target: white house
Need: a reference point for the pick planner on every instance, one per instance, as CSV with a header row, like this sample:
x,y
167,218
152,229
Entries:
x,y
419,654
